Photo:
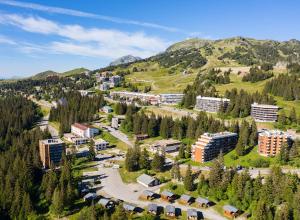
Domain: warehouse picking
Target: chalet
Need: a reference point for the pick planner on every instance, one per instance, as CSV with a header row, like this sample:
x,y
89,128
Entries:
x,y
147,195
185,199
147,180
192,214
170,211
90,197
168,196
230,211
84,131
202,202
108,204
129,208
152,209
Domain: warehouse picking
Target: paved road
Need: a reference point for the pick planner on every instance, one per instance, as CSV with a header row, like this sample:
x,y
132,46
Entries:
x,y
116,133
113,186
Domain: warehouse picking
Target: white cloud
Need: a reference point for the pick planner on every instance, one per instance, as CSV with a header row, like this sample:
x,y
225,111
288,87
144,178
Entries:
x,y
6,40
76,13
79,40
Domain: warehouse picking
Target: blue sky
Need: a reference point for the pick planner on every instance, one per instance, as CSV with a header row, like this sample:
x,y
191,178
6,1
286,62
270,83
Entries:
x,y
60,35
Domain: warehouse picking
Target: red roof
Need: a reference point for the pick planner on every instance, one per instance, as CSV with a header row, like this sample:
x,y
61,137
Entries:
x,y
80,126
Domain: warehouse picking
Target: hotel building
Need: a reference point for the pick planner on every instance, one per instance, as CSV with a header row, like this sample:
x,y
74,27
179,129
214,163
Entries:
x,y
209,145
84,131
171,99
210,104
51,151
264,113
270,142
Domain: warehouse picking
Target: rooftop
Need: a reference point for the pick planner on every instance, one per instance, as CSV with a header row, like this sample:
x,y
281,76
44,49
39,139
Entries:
x,y
100,141
274,133
230,208
170,209
148,193
220,134
80,126
52,141
264,105
167,193
192,212
212,98
146,179
152,207
166,142
202,200
185,197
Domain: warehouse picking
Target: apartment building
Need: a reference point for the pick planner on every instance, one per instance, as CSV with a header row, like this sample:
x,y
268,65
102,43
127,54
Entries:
x,y
131,96
210,104
209,145
84,131
51,151
101,144
271,141
264,113
171,99
75,140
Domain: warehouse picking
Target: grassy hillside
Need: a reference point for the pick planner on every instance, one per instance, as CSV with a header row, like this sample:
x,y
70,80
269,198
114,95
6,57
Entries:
x,y
43,75
74,72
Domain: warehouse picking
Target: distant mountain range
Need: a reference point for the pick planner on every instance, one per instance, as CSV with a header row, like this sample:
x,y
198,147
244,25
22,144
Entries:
x,y
125,60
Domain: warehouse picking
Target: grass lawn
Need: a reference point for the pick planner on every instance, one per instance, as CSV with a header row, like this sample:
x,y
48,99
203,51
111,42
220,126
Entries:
x,y
114,141
160,79
129,177
45,110
83,165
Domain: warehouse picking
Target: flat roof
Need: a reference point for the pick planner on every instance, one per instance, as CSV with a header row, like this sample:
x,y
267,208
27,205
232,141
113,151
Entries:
x,y
52,141
166,142
80,126
220,134
264,105
212,98
274,133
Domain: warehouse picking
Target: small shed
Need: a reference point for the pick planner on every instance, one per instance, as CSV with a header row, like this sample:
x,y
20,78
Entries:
x,y
147,195
185,199
203,202
90,197
168,196
129,207
170,211
192,214
147,180
230,211
107,203
152,209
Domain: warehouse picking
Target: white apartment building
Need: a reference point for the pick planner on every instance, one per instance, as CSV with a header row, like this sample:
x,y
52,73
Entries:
x,y
84,131
130,96
264,113
101,144
172,98
210,104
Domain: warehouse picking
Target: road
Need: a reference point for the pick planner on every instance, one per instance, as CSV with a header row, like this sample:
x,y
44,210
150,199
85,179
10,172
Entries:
x,y
116,133
113,186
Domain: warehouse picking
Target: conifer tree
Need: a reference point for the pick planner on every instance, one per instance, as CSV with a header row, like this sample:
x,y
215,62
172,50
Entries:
x,y
189,179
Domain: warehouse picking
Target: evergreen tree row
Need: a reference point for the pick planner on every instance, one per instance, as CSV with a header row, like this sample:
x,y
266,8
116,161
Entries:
x,y
276,196
240,102
256,75
286,86
78,109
